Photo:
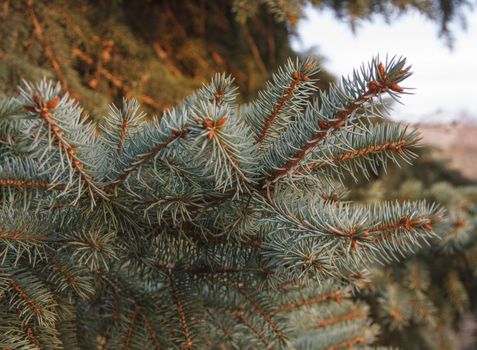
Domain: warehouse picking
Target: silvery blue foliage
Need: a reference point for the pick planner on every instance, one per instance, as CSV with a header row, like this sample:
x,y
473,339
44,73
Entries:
x,y
214,225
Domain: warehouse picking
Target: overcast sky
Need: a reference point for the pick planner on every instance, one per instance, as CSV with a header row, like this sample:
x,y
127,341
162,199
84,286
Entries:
x,y
445,80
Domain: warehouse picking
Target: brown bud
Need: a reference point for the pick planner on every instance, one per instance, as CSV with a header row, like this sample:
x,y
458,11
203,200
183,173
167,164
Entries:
x,y
395,87
53,103
427,227
373,86
207,123
296,75
221,121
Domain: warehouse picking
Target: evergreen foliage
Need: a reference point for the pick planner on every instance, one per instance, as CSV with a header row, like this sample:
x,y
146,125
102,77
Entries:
x,y
427,302
217,225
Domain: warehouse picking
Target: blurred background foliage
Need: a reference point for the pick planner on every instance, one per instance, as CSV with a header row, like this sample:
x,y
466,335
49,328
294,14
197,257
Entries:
x,y
155,51
160,50
429,301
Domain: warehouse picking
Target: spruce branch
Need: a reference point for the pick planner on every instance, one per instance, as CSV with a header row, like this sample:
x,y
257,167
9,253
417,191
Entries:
x,y
15,335
335,296
181,313
121,124
156,139
10,109
171,127
91,248
285,93
298,77
132,324
335,110
151,333
130,312
240,316
225,145
32,337
350,151
65,276
261,306
60,125
24,175
23,234
345,317
263,313
28,295
342,238
220,90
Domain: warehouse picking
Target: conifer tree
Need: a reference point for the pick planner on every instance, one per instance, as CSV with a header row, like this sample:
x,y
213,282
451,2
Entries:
x,y
217,225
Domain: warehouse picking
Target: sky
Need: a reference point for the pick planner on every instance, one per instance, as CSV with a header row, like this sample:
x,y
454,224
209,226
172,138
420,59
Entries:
x,y
445,80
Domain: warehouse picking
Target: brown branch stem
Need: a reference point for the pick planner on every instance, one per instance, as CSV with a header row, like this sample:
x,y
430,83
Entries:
x,y
276,111
348,344
394,146
352,315
132,322
150,331
338,122
146,157
262,313
31,184
336,296
180,310
39,32
23,295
